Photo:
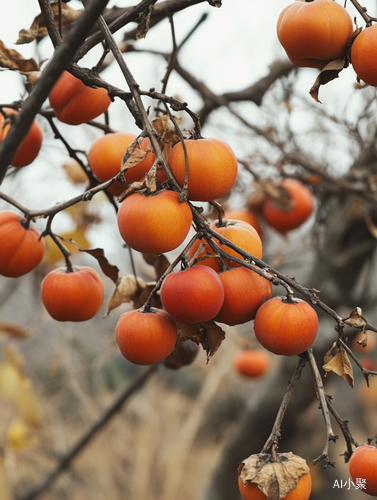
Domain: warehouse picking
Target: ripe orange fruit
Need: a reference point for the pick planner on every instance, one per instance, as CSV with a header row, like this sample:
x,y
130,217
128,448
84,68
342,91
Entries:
x,y
75,103
29,148
298,210
363,466
286,328
155,223
246,216
363,52
194,295
238,232
212,168
21,247
301,492
145,338
252,362
105,158
244,292
314,33
72,296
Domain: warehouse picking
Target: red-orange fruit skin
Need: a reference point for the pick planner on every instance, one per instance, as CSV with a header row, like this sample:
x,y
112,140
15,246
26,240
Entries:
x,y
363,465
193,295
318,30
146,338
284,221
21,248
238,232
72,296
364,55
30,146
286,328
212,167
244,215
74,103
301,492
252,363
105,158
154,224
245,291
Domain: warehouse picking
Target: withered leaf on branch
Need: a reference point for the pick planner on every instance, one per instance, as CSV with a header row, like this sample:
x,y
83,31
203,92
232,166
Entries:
x,y
143,26
274,479
208,334
126,287
158,261
11,59
355,319
169,135
38,27
339,364
136,156
327,74
110,270
13,330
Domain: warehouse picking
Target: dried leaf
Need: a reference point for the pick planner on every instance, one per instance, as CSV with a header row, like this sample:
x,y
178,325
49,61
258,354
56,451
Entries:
x,y
340,365
150,179
109,270
133,156
364,337
11,59
125,289
75,172
274,479
15,331
158,261
355,319
169,135
328,73
38,27
208,334
143,26
132,188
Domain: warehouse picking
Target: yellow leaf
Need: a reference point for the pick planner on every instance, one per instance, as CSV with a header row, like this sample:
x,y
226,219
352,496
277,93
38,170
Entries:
x,y
4,488
53,254
20,435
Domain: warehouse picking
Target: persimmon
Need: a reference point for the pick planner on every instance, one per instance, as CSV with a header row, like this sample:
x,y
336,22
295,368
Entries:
x,y
246,216
286,326
244,292
238,232
183,354
145,338
302,491
363,52
155,223
314,33
21,248
252,362
363,466
30,146
285,215
75,103
105,158
72,295
193,295
212,168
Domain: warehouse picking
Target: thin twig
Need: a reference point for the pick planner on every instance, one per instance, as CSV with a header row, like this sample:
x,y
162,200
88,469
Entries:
x,y
330,436
276,430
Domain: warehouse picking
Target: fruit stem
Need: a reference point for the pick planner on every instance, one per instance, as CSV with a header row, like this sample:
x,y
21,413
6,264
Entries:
x,y
66,253
220,212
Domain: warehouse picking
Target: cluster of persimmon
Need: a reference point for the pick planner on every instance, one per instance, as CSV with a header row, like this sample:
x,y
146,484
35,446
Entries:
x,y
314,33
